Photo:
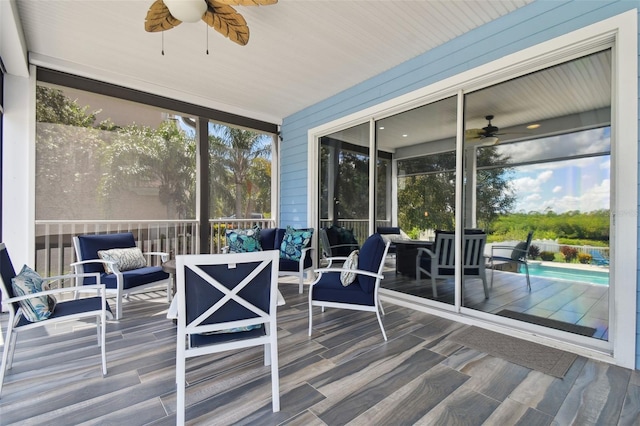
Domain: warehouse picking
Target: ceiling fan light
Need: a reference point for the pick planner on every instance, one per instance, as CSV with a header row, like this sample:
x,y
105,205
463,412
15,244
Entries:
x,y
186,10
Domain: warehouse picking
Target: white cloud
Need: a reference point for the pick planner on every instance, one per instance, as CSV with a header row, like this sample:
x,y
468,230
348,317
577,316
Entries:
x,y
597,198
531,184
556,189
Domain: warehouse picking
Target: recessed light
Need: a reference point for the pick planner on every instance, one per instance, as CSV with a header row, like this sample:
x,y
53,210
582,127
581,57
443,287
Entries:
x,y
381,128
533,126
404,136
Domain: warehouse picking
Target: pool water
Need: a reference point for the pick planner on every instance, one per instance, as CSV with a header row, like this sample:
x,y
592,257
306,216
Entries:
x,y
571,274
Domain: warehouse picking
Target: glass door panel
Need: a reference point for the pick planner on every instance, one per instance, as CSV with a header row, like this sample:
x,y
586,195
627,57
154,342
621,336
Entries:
x,y
531,168
344,189
423,143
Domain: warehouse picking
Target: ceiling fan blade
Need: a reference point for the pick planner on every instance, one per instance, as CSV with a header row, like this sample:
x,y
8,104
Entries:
x,y
225,20
471,134
159,18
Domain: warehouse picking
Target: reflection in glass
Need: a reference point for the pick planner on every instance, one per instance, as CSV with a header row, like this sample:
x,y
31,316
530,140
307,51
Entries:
x,y
423,142
555,183
344,183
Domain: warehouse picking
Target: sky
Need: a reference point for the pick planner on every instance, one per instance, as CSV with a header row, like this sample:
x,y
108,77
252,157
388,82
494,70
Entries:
x,y
582,184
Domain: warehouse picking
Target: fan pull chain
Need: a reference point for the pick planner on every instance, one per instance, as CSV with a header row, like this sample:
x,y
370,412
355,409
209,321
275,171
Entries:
x,y
162,42
207,36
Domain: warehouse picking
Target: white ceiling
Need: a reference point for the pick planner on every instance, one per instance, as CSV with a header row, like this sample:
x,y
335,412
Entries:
x,y
300,51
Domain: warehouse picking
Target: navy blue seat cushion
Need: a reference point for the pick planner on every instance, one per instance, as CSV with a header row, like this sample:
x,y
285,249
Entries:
x,y
211,339
293,265
330,289
91,244
72,307
268,237
271,239
369,259
132,278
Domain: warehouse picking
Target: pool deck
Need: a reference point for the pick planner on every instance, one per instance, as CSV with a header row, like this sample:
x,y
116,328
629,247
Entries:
x,y
579,266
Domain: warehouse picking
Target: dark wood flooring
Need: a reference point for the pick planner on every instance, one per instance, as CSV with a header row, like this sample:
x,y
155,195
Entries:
x,y
344,374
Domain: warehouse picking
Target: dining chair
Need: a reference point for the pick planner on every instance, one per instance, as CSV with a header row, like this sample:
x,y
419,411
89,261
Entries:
x,y
517,255
31,305
226,302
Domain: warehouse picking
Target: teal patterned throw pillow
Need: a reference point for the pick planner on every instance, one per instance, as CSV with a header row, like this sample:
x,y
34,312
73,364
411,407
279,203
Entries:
x,y
34,309
294,241
243,240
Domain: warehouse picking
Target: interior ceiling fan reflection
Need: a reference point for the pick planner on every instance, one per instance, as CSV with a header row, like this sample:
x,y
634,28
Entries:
x,y
486,136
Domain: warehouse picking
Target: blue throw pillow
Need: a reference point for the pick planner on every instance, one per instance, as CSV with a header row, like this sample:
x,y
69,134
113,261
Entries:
x,y
34,309
294,241
243,240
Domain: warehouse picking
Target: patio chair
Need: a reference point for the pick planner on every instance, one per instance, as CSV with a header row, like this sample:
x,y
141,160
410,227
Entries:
x,y
30,301
362,293
122,266
226,302
337,243
440,262
598,259
517,255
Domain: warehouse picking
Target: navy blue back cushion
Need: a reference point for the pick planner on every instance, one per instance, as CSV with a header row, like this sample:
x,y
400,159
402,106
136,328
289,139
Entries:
x,y
200,295
369,259
7,272
268,237
386,230
91,244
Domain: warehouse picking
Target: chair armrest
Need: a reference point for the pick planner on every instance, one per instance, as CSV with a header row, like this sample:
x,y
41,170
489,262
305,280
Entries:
x,y
100,288
510,248
425,250
305,252
163,256
86,262
355,271
112,265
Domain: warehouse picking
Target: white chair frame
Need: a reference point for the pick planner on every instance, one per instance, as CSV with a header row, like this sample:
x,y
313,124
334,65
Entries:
x,y
101,316
377,305
269,319
119,293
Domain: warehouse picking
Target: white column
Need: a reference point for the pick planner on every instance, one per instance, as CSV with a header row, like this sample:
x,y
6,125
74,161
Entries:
x,y
18,169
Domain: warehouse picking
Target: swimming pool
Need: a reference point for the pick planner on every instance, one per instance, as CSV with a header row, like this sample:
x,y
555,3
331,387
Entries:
x,y
571,274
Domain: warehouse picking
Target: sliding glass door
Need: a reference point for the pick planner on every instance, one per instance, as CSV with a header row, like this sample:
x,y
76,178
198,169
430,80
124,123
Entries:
x,y
502,197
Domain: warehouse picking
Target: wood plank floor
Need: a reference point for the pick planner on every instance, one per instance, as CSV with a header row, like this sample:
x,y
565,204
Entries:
x,y
344,374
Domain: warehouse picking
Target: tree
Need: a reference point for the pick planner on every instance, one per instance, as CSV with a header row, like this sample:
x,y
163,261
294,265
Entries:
x,y
426,198
140,156
238,170
68,142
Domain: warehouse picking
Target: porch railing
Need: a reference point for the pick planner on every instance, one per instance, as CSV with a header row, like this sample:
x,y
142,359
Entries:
x,y
54,250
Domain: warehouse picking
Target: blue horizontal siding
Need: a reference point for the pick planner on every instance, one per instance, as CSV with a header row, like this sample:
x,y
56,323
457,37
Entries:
x,y
530,25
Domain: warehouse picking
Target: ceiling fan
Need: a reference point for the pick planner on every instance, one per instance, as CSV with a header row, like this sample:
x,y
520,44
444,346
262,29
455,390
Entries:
x,y
218,14
482,137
